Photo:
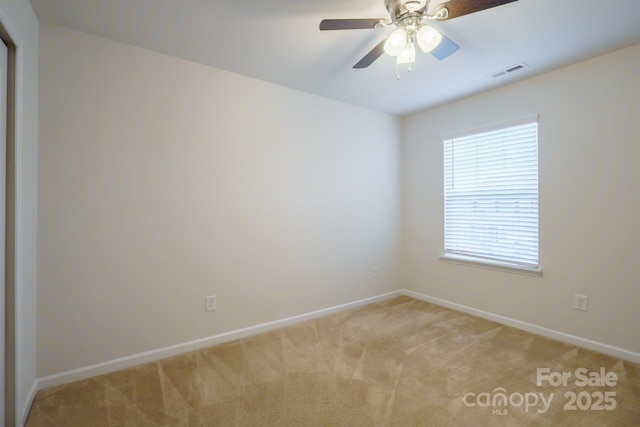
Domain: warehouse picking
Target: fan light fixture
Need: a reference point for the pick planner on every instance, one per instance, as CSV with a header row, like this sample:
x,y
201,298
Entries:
x,y
408,54
396,42
401,43
409,17
428,38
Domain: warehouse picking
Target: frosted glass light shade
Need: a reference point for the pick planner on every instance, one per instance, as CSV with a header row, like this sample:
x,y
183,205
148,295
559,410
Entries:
x,y
408,55
396,42
428,38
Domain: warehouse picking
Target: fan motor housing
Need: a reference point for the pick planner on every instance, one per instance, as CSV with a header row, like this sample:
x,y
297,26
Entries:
x,y
397,8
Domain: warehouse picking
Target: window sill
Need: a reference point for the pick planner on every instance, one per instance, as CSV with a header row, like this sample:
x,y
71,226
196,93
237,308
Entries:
x,y
491,265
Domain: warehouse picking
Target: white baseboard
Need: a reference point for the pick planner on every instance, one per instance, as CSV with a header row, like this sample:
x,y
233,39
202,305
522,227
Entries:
x,y
529,327
23,413
162,353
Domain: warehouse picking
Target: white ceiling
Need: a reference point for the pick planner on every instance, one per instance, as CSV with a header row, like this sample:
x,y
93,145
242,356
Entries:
x,y
279,41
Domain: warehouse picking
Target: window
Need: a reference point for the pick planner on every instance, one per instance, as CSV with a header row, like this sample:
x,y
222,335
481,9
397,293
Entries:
x,y
491,196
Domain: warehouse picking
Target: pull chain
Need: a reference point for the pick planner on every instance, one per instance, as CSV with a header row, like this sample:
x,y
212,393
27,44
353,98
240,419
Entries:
x,y
409,69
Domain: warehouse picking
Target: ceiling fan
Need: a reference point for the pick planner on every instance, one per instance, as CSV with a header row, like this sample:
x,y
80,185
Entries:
x,y
410,18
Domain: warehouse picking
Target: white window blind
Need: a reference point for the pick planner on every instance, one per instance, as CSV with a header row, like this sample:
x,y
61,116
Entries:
x,y
491,193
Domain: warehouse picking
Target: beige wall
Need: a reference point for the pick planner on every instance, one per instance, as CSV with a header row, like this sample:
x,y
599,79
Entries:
x,y
162,181
589,168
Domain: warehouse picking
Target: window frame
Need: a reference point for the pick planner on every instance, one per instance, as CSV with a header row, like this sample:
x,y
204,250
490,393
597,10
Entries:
x,y
479,260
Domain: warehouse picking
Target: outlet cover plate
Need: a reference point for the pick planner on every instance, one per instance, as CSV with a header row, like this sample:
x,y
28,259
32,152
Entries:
x,y
210,303
580,302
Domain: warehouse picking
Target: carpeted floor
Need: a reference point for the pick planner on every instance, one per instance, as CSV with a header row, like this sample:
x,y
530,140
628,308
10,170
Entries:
x,y
401,362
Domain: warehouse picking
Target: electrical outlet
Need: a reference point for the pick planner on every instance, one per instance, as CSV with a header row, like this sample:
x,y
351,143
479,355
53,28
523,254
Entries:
x,y
376,272
210,303
580,302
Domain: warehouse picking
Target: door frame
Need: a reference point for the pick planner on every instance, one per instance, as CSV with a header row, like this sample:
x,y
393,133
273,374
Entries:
x,y
10,323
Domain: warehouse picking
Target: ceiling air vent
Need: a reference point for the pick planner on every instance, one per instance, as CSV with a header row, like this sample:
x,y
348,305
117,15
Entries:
x,y
509,70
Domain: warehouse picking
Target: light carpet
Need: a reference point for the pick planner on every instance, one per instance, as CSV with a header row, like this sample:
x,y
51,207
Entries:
x,y
400,362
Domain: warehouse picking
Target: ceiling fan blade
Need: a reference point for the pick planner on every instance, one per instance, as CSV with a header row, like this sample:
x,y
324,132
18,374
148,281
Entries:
x,y
370,57
458,8
348,24
446,48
